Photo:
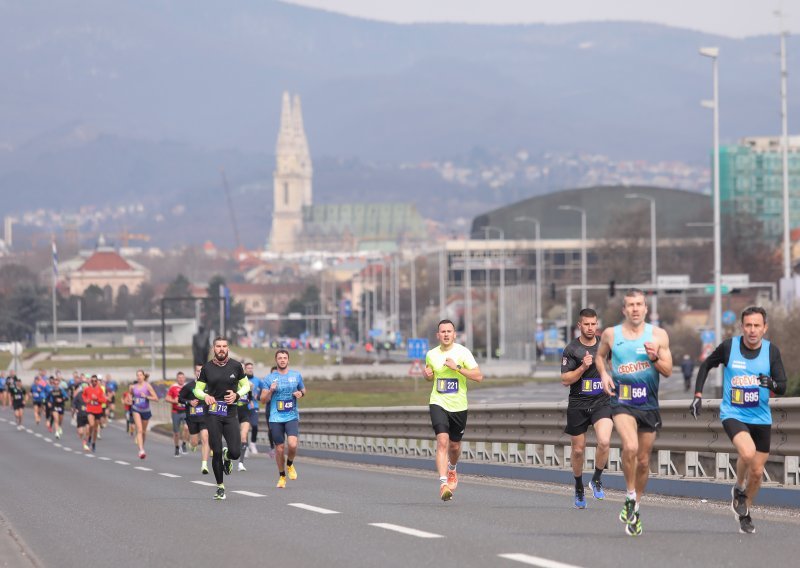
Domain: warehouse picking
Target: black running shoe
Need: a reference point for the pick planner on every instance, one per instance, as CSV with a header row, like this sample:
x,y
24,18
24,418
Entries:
x,y
177,453
634,527
746,524
227,464
220,494
628,510
739,502
93,446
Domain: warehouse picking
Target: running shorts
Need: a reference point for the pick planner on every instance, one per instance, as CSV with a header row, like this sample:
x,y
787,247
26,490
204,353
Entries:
x,y
451,423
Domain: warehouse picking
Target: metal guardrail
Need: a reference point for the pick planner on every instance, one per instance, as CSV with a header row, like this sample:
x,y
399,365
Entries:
x,y
684,447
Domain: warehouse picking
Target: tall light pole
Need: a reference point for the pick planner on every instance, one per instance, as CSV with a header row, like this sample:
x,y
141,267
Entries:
x,y
583,252
787,250
713,53
501,316
539,260
653,248
468,293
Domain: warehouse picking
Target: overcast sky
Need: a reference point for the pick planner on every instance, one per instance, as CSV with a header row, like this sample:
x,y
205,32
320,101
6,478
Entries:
x,y
735,18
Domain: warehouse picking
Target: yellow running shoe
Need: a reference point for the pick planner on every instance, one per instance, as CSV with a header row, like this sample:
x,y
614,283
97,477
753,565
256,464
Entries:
x,y
445,493
281,482
452,479
291,472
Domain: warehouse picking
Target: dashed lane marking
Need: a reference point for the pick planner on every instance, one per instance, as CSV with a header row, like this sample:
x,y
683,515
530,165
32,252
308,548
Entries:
x,y
313,509
536,561
248,493
48,440
104,458
169,475
120,462
206,483
38,435
57,445
140,468
405,530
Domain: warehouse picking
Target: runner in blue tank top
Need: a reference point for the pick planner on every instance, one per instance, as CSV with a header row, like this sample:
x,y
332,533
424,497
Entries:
x,y
753,368
639,356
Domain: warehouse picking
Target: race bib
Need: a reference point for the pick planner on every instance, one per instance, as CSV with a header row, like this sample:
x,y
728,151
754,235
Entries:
x,y
285,405
591,386
633,394
196,410
745,397
140,402
219,408
446,386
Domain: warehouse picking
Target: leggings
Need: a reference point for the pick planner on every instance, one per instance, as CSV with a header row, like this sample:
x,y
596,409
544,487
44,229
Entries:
x,y
254,433
227,427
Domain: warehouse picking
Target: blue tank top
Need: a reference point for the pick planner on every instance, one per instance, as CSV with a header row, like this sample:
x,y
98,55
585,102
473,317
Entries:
x,y
742,397
635,376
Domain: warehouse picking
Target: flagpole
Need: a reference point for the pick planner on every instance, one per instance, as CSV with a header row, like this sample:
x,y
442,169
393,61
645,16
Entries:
x,y
55,283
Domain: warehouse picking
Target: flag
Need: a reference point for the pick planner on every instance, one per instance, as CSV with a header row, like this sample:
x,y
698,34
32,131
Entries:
x,y
55,262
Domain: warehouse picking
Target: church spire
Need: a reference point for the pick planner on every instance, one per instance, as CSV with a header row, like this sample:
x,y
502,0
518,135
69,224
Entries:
x,y
286,134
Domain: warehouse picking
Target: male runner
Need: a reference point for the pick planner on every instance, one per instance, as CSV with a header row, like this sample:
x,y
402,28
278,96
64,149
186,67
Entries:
x,y
81,418
3,389
178,414
588,404
286,386
56,397
19,396
221,383
639,356
244,406
196,419
94,397
38,394
111,393
753,368
449,365
255,398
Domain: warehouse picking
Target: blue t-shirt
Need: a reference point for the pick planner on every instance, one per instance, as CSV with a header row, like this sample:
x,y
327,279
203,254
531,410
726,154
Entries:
x,y
2,382
38,391
283,404
255,393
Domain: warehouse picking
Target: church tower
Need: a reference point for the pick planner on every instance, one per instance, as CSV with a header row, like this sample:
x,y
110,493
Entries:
x,y
291,179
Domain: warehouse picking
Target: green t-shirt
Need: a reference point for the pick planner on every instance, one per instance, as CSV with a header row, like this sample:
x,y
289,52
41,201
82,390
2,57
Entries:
x,y
449,386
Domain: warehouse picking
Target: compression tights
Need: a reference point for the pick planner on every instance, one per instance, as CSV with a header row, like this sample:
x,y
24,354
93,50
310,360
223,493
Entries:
x,y
219,427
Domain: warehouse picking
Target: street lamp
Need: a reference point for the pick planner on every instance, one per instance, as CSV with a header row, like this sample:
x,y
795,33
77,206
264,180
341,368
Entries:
x,y
536,235
713,53
501,317
583,250
787,252
653,247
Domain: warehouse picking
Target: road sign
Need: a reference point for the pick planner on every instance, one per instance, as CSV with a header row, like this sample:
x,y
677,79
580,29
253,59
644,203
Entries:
x,y
728,317
673,281
417,347
416,369
707,336
736,280
375,332
723,290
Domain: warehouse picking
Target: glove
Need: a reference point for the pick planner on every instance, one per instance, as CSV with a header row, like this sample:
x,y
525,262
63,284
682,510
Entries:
x,y
767,382
696,405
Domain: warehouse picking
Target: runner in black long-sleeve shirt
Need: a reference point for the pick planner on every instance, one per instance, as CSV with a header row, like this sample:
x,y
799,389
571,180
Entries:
x,y
196,419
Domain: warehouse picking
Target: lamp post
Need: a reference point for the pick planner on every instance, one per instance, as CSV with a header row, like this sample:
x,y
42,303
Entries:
x,y
787,251
653,249
583,250
501,317
539,261
713,53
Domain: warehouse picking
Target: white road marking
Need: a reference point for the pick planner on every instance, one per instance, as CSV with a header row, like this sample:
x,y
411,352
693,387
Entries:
x,y
38,435
29,431
204,483
120,462
248,493
104,458
169,475
140,468
313,509
89,455
536,561
66,449
48,440
405,530
3,420
57,445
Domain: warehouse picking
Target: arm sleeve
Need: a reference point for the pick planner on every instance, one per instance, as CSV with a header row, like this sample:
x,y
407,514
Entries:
x,y
200,389
776,369
718,357
244,387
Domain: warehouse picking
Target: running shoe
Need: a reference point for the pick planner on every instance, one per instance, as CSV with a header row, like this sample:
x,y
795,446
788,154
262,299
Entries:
x,y
597,489
452,479
634,528
739,502
183,447
142,455
194,449
99,434
241,467
220,494
281,482
445,493
746,524
580,499
272,453
204,470
252,447
94,446
177,453
50,428
291,472
628,510
59,433
227,464
86,446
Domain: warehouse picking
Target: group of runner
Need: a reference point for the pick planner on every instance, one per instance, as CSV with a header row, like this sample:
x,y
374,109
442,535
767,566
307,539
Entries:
x,y
614,381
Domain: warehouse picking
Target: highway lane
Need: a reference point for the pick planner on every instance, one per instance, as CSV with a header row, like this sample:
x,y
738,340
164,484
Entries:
x,y
73,510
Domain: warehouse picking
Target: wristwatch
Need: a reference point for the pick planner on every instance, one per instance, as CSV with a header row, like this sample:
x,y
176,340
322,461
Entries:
x,y
458,367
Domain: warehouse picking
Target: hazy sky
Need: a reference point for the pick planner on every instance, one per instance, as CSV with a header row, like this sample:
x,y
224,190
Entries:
x,y
736,18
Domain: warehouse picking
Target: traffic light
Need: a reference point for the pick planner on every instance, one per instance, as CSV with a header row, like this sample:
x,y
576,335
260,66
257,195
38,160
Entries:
x,y
612,288
552,290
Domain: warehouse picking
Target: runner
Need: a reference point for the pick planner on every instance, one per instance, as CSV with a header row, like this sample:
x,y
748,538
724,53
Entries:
x,y
142,393
639,356
94,397
38,394
127,404
588,404
111,393
19,397
244,406
220,384
179,433
255,399
753,368
3,389
196,419
449,365
81,418
286,386
56,398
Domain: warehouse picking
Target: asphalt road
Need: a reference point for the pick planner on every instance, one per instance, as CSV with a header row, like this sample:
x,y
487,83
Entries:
x,y
69,509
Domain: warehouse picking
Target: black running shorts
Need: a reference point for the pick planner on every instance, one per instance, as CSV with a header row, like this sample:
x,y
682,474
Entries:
x,y
578,419
646,420
451,423
760,433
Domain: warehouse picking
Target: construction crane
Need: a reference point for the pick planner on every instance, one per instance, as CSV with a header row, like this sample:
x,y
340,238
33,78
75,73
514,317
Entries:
x,y
125,237
231,209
